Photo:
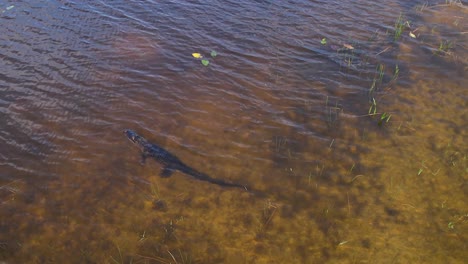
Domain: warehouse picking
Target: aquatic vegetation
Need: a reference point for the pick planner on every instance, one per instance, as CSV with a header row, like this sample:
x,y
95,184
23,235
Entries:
x,y
373,107
197,55
381,68
398,28
396,72
400,24
385,117
422,167
372,88
333,113
269,210
318,172
121,258
451,225
460,219
444,47
280,142
323,41
204,62
377,80
350,57
352,168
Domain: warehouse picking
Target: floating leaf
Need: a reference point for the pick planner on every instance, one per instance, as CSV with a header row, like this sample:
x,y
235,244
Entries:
x,y
197,55
213,53
412,35
348,46
323,41
10,7
205,62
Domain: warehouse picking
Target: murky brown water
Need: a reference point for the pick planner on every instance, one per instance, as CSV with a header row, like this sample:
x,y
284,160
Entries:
x,y
352,135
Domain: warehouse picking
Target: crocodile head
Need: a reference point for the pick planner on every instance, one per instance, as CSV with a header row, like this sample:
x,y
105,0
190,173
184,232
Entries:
x,y
131,135
138,140
135,138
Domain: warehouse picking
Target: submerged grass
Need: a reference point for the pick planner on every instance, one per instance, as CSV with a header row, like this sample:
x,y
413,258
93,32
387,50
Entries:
x,y
373,107
266,217
333,113
398,29
444,47
396,73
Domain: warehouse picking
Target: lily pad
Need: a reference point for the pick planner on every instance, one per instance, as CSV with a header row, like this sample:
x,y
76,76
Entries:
x,y
205,62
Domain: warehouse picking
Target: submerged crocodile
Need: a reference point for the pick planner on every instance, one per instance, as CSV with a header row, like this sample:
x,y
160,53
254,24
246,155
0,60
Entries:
x,y
170,162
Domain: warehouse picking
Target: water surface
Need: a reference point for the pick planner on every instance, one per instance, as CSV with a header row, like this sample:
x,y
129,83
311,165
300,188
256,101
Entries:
x,y
347,119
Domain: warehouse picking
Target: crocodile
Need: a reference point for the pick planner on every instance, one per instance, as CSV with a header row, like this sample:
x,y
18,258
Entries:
x,y
170,162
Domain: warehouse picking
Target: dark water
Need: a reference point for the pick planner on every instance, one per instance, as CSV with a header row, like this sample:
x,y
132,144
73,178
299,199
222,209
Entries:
x,y
352,135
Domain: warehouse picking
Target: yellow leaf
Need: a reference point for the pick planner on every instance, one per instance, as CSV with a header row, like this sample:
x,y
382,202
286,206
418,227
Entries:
x,y
197,55
412,35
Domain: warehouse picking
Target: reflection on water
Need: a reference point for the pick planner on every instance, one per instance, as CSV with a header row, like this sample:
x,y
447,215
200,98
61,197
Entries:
x,y
347,119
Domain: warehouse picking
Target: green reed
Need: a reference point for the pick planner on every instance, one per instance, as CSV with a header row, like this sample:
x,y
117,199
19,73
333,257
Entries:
x,y
445,46
396,72
399,26
385,117
373,107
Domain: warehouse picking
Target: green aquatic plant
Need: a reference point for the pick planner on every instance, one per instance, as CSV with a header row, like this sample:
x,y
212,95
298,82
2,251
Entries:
x,y
396,73
381,69
385,117
323,41
205,62
400,24
352,168
378,79
372,88
422,167
444,47
373,107
398,28
451,225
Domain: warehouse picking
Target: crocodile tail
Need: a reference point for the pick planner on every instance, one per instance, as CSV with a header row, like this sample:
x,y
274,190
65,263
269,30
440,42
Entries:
x,y
204,177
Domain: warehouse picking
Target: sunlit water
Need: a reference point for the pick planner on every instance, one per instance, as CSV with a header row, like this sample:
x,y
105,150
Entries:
x,y
351,135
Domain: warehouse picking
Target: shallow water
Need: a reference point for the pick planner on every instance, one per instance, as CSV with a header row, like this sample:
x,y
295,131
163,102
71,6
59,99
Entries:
x,y
351,136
